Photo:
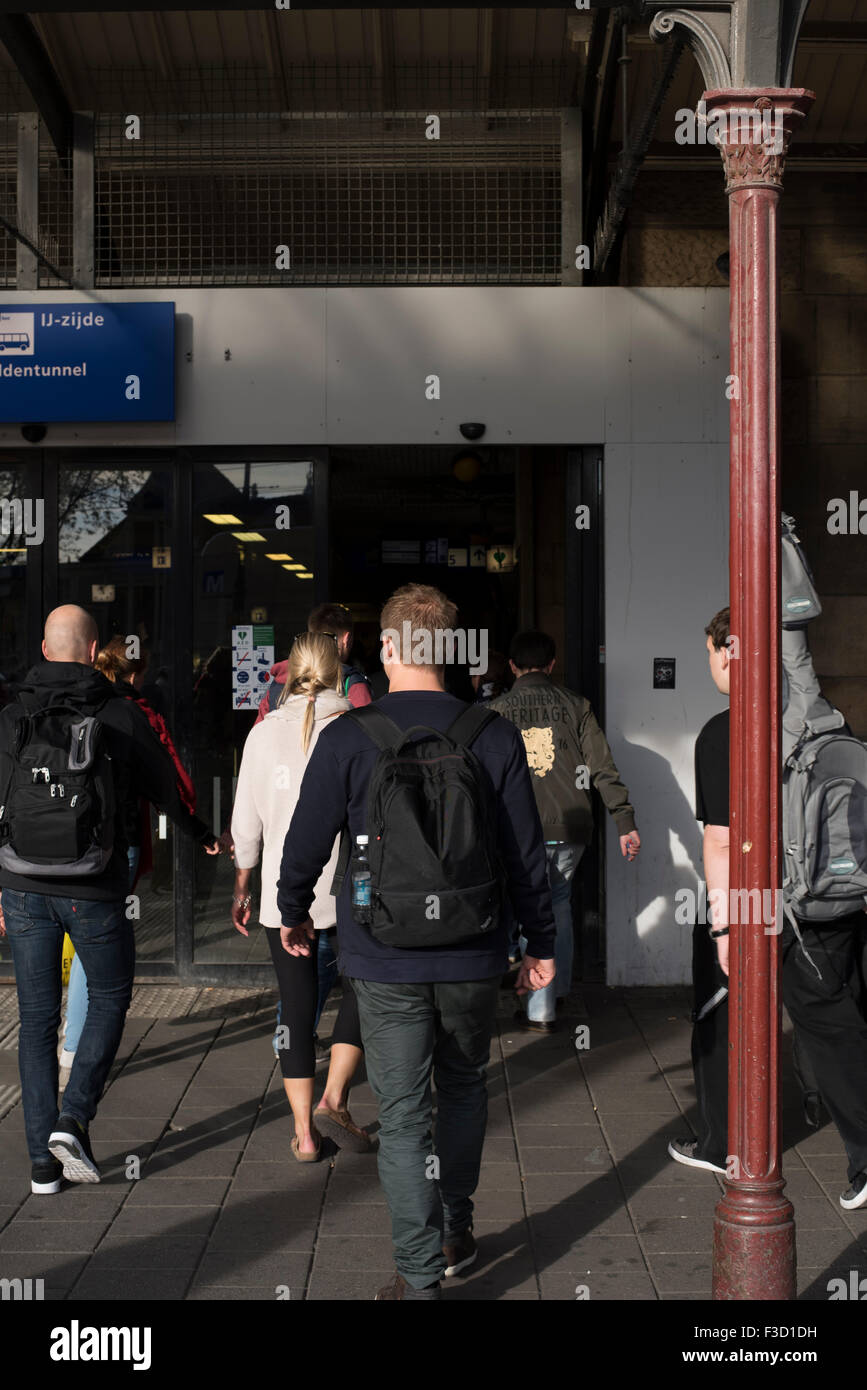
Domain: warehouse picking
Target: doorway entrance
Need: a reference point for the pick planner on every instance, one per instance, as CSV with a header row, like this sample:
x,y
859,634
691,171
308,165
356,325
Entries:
x,y
181,546
442,516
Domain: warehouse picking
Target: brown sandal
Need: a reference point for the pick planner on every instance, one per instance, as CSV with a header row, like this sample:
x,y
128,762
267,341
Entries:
x,y
340,1126
305,1158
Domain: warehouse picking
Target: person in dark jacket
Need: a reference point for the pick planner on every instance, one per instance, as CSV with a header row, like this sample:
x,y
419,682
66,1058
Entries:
x,y
428,1010
37,910
126,672
566,752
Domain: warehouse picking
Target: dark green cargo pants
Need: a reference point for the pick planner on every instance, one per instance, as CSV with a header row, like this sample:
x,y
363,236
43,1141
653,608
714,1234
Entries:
x,y
410,1033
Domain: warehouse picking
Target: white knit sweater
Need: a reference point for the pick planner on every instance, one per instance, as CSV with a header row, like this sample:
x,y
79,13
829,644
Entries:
x,y
269,781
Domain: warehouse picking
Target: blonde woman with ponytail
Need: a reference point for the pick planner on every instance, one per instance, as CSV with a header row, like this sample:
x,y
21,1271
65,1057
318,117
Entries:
x,y
273,764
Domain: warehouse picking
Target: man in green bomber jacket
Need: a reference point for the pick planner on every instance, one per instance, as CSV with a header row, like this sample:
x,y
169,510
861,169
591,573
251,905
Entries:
x,y
566,750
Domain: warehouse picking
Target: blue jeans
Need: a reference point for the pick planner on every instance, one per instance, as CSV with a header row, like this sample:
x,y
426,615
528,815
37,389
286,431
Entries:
x,y
563,860
326,971
103,937
76,994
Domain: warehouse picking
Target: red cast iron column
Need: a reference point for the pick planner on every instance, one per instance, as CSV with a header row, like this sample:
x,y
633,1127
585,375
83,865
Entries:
x,y
754,1232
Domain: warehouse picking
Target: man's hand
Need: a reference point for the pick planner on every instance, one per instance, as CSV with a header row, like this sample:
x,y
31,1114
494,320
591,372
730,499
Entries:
x,y
630,845
226,843
534,974
296,940
722,951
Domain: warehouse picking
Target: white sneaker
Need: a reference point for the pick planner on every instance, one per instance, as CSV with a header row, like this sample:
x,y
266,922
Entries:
x,y
856,1193
684,1151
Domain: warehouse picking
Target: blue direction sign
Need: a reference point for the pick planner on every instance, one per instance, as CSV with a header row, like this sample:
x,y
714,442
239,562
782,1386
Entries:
x,y
87,361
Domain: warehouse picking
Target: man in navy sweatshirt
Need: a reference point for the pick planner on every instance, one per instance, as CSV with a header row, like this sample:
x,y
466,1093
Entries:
x,y
426,1011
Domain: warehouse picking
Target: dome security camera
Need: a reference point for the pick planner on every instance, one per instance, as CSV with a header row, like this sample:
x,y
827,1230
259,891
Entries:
x,y
472,431
34,434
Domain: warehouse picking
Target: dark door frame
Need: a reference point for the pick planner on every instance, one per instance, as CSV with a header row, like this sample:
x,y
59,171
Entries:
x,y
584,669
185,968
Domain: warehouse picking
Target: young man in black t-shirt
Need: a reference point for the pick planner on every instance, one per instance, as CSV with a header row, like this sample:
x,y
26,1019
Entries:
x,y
710,953
819,977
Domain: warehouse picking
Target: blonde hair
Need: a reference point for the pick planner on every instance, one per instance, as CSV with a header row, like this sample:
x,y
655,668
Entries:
x,y
314,665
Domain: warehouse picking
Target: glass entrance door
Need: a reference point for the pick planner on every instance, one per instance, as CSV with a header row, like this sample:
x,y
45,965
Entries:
x,y
253,583
175,549
115,552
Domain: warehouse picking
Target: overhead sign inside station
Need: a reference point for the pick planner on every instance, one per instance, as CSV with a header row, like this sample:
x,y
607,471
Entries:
x,y
87,361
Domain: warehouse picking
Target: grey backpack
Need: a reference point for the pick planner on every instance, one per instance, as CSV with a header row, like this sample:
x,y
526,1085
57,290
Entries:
x,y
824,770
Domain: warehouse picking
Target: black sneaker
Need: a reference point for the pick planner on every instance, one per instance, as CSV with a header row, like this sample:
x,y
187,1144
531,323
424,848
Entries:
x,y
399,1288
69,1143
530,1025
45,1176
684,1151
460,1253
855,1194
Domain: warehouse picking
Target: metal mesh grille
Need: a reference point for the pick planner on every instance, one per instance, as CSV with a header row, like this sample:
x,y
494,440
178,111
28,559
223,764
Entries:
x,y
354,195
8,197
13,98
54,232
55,215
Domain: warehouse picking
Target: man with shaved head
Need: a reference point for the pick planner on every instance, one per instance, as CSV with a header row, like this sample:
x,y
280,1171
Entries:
x,y
70,635
75,759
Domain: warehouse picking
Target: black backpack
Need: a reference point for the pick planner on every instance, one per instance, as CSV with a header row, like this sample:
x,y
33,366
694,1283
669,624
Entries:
x,y
58,805
432,833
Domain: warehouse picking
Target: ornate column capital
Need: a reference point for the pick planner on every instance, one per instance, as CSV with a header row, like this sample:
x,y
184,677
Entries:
x,y
752,130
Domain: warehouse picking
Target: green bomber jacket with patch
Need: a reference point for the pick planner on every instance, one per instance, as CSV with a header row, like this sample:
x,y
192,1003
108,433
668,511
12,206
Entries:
x,y
566,750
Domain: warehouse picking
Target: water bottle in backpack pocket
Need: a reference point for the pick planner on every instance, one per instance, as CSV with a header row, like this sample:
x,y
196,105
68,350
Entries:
x,y
361,882
57,814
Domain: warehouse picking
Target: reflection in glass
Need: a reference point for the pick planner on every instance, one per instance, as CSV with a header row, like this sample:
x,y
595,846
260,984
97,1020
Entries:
x,y
15,660
239,581
114,559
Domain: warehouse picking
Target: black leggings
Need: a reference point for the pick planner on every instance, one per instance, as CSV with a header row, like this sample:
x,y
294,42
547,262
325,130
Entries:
x,y
299,988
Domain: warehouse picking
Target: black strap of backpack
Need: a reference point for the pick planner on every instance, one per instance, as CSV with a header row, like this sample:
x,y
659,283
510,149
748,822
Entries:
x,y
379,728
470,723
383,732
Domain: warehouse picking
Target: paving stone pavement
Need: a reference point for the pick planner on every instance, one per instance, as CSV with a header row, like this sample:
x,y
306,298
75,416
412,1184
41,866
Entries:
x,y
577,1192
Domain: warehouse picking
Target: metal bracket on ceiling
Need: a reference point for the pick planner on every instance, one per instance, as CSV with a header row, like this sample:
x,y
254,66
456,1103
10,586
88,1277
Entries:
x,y
738,44
708,34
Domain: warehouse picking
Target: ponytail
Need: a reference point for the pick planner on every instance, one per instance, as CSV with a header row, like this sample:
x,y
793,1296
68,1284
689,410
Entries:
x,y
308,722
114,663
314,665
